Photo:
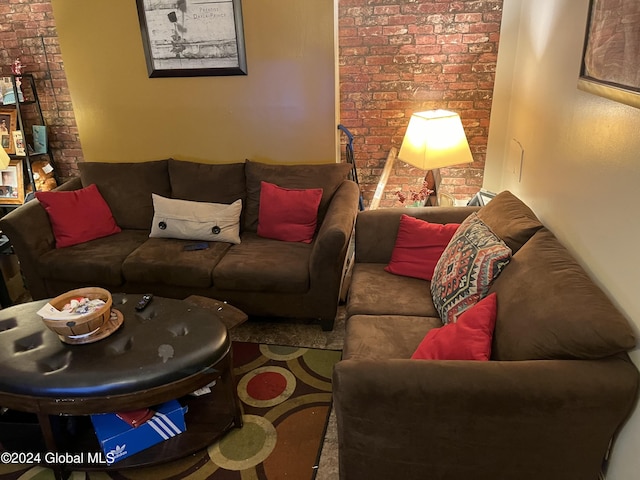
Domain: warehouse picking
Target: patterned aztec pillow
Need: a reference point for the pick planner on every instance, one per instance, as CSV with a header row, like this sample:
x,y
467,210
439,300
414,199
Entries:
x,y
463,275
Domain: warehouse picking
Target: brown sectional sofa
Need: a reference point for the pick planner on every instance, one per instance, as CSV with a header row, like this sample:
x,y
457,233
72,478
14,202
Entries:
x,y
558,387
261,276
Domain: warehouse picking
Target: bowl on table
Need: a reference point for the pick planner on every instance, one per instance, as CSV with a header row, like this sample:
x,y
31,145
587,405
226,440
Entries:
x,y
83,327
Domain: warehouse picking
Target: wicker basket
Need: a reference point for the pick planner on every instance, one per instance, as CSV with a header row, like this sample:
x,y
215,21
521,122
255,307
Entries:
x,y
84,324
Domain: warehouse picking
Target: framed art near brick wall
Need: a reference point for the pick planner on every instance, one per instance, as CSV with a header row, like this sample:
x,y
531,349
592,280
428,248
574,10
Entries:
x,y
8,118
611,59
187,38
12,183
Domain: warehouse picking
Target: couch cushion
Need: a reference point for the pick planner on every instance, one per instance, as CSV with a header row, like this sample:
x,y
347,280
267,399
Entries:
x,y
466,269
418,247
78,215
469,338
97,263
510,219
288,214
127,188
164,261
326,176
203,182
376,292
187,220
383,337
264,265
549,308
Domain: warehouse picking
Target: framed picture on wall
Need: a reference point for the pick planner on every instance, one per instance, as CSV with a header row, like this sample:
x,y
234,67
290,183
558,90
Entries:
x,y
7,127
39,138
6,89
187,38
12,183
611,63
18,141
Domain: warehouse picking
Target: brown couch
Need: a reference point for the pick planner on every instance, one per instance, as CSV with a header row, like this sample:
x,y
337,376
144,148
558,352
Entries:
x,y
558,387
261,276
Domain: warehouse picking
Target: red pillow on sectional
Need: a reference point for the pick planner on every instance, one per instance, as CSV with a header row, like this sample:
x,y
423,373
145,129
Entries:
x,y
288,214
469,338
419,245
78,216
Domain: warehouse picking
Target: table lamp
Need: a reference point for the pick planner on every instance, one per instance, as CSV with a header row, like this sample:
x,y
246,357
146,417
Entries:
x,y
434,139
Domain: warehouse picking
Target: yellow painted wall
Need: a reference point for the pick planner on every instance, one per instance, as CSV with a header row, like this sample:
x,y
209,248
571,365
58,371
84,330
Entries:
x,y
284,110
581,169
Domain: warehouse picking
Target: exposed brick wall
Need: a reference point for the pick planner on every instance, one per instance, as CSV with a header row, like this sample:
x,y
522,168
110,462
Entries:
x,y
400,56
28,32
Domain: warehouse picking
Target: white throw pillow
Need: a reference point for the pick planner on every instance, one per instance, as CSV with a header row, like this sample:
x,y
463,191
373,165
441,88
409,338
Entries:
x,y
183,219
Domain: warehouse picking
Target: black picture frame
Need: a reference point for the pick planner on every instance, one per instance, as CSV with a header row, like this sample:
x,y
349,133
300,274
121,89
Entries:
x,y
610,27
189,38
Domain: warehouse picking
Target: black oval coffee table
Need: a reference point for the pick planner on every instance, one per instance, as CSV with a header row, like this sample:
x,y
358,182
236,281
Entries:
x,y
165,352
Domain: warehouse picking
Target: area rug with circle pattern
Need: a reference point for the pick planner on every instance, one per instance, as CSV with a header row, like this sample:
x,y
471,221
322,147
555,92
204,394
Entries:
x,y
286,400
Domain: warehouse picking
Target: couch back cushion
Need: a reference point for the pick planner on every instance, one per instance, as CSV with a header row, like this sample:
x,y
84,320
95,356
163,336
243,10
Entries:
x,y
510,219
127,188
549,308
203,182
328,177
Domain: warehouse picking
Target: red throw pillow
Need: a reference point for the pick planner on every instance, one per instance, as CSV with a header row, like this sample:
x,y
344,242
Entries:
x,y
418,247
78,216
288,214
469,338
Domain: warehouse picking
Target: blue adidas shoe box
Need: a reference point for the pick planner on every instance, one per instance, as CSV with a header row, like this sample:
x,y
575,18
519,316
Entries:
x,y
120,440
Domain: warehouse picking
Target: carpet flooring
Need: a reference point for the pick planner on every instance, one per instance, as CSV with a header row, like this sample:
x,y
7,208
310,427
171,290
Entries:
x,y
305,334
286,398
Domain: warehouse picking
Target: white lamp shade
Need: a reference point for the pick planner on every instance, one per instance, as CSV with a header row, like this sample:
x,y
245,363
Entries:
x,y
435,139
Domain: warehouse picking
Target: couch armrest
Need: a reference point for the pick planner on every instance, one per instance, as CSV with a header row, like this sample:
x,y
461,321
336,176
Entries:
x,y
30,234
376,230
331,243
550,419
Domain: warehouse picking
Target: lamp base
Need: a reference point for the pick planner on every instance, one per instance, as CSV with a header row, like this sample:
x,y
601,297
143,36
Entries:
x,y
433,180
